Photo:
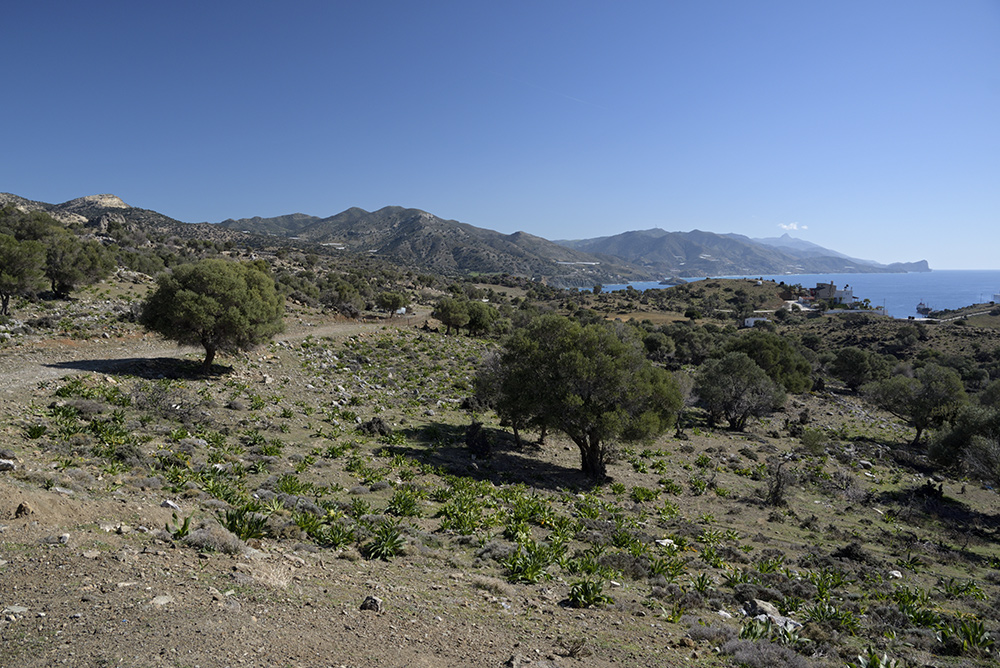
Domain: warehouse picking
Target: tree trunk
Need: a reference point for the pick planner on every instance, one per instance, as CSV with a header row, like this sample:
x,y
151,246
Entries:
x,y
592,460
209,358
4,304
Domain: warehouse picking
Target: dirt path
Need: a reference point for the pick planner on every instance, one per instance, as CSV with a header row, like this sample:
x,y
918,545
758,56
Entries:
x,y
48,359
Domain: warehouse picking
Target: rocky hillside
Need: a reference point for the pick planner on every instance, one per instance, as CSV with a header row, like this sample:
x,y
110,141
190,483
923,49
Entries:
x,y
417,238
422,241
698,253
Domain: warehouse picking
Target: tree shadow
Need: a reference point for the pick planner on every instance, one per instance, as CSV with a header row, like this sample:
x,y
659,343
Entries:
x,y
443,445
926,503
155,368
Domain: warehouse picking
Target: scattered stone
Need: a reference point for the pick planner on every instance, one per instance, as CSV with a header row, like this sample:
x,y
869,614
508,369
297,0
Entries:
x,y
372,603
23,510
170,504
62,490
895,575
762,610
91,554
7,465
163,600
123,529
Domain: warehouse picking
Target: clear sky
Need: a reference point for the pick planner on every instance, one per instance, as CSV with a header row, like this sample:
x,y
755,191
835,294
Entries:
x,y
868,126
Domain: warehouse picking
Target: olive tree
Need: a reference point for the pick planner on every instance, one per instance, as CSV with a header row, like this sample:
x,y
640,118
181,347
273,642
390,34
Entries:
x,y
221,305
777,357
592,382
391,302
482,318
930,398
20,269
67,261
452,312
856,367
737,389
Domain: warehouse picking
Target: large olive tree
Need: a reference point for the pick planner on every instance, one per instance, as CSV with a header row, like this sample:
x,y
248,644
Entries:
x,y
591,382
221,305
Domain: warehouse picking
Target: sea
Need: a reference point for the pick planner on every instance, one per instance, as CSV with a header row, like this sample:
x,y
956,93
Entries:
x,y
898,293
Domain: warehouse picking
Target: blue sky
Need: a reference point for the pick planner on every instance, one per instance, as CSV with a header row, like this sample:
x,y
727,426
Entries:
x,y
871,127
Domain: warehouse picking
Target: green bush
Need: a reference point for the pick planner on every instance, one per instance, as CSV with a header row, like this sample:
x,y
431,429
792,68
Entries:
x,y
587,594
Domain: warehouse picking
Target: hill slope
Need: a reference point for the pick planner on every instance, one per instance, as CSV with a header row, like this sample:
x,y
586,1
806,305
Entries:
x,y
698,253
421,240
418,238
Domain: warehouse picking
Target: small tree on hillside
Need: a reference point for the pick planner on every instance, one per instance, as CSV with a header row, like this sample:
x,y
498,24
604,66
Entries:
x,y
218,304
71,262
592,382
482,317
21,265
67,261
777,357
452,312
856,367
391,302
929,399
736,389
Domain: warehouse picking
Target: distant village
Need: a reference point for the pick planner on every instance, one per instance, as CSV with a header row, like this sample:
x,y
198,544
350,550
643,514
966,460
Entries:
x,y
823,297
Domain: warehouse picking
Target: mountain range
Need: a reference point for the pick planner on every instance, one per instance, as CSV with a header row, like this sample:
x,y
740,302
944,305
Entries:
x,y
422,240
700,254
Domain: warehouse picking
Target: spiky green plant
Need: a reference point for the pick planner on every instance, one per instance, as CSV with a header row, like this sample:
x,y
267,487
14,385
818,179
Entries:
x,y
387,542
588,593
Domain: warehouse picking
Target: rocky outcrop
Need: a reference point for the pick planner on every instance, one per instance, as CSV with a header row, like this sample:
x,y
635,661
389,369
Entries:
x,y
106,201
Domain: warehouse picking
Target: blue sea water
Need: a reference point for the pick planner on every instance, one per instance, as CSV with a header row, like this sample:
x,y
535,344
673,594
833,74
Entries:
x,y
899,293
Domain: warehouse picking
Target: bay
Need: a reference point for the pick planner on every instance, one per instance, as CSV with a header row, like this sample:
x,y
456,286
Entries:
x,y
899,293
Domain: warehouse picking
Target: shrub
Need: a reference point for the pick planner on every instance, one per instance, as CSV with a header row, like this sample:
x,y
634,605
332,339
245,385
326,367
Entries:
x,y
762,654
587,593
244,524
212,538
387,542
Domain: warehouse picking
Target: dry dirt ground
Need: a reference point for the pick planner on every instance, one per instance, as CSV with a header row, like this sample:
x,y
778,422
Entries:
x,y
84,581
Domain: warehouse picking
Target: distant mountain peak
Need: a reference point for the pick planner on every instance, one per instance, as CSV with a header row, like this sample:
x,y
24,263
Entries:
x,y
106,201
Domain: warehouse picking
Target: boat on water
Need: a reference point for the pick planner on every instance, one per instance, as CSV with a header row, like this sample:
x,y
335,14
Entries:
x,y
923,309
